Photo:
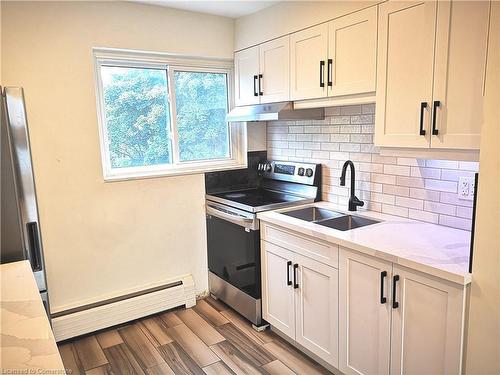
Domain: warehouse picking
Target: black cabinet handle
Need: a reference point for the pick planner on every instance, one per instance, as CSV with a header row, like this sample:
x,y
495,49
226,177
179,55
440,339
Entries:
x,y
260,85
330,73
395,304
295,277
255,93
34,246
383,275
288,280
321,73
423,106
437,103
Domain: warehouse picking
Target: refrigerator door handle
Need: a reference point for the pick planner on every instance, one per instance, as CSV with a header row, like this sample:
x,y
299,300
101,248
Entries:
x,y
34,246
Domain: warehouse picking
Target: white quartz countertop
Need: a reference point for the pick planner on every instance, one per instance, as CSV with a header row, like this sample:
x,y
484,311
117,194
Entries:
x,y
27,344
433,249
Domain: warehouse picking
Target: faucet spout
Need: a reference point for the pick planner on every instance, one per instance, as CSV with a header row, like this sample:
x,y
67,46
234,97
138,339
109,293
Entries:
x,y
354,202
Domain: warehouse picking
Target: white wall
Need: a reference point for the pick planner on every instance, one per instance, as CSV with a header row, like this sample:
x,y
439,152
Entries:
x,y
483,345
256,136
289,16
103,238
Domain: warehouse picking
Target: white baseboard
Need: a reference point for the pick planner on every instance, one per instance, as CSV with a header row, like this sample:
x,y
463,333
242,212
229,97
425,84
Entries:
x,y
91,319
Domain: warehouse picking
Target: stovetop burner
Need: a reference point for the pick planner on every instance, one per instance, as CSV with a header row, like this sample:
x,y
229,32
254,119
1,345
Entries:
x,y
257,197
232,195
281,184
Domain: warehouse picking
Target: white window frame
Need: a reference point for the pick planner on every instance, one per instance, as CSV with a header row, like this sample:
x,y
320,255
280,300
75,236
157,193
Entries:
x,y
171,63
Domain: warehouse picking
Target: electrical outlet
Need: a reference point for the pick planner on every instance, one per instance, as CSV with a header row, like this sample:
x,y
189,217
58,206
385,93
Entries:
x,y
466,188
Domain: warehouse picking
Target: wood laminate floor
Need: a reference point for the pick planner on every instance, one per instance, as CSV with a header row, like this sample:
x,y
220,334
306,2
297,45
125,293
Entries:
x,y
209,338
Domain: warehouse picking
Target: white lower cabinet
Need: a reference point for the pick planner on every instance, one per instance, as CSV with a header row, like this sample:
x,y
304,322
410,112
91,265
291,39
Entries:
x,y
278,306
397,321
300,298
316,308
427,325
367,317
365,314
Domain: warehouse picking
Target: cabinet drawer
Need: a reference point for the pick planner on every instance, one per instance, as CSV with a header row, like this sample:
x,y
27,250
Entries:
x,y
311,247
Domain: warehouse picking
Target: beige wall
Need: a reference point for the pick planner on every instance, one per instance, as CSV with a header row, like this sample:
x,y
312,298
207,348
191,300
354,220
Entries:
x,y
289,16
483,345
102,238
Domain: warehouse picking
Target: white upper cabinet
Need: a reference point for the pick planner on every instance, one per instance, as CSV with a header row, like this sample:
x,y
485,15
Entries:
x,y
308,58
275,70
246,70
262,73
423,62
430,82
364,314
352,53
461,46
334,59
405,70
427,325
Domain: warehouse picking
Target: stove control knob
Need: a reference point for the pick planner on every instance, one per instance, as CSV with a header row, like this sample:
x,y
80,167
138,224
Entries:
x,y
309,172
300,171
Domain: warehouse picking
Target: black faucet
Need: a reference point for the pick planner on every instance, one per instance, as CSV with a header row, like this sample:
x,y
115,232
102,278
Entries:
x,y
354,202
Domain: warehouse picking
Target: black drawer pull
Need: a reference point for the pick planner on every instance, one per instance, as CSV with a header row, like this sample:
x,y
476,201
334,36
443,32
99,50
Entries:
x,y
321,73
383,275
255,93
329,72
295,277
260,85
437,104
423,106
288,279
395,304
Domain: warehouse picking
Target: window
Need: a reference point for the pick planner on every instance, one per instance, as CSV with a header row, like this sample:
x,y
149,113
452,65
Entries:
x,y
201,107
162,115
137,116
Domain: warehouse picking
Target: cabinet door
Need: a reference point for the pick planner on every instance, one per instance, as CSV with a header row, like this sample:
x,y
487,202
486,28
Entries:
x,y
405,63
275,70
246,70
427,325
364,318
352,53
316,306
461,40
277,289
308,55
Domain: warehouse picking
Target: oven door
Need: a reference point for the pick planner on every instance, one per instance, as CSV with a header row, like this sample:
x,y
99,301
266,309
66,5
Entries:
x,y
233,242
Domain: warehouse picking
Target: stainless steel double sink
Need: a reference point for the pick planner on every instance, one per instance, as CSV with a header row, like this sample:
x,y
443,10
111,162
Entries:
x,y
330,219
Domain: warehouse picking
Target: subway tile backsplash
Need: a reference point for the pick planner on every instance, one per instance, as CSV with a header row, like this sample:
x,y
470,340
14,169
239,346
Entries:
x,y
425,190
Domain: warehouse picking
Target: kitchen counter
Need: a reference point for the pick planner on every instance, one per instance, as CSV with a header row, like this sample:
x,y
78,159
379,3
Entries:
x,y
433,249
26,339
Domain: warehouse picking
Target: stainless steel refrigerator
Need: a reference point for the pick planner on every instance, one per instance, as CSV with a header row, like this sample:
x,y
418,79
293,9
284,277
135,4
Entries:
x,y
20,225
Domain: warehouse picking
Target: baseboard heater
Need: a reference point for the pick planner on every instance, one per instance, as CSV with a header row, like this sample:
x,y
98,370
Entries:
x,y
103,314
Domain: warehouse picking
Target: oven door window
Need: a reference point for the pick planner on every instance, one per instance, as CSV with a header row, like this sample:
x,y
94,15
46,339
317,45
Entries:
x,y
234,255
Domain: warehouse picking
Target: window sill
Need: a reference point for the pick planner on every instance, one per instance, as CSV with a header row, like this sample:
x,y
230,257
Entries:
x,y
173,171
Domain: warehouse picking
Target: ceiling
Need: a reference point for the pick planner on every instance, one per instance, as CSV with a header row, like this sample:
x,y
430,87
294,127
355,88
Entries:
x,y
227,8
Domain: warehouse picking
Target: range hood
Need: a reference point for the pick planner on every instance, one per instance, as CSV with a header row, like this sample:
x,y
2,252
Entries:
x,y
274,111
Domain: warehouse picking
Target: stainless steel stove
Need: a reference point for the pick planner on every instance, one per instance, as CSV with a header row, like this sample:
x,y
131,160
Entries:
x,y
233,234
